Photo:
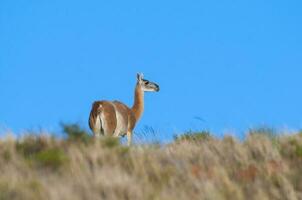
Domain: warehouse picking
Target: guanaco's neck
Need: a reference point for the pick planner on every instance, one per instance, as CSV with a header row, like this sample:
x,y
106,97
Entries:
x,y
138,106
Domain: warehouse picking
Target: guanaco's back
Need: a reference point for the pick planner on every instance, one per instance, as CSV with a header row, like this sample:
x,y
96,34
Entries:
x,y
111,118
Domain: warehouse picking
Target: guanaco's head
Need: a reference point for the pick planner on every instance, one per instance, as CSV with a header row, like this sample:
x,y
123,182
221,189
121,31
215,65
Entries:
x,y
146,85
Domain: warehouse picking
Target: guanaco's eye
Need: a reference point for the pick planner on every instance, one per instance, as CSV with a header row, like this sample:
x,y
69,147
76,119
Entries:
x,y
147,82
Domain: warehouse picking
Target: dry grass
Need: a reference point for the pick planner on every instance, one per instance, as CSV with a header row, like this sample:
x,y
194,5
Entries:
x,y
261,167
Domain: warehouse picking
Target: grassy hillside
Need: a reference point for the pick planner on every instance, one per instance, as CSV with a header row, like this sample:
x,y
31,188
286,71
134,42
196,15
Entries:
x,y
194,166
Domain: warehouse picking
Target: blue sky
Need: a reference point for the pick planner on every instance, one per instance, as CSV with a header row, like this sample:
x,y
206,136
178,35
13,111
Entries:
x,y
235,64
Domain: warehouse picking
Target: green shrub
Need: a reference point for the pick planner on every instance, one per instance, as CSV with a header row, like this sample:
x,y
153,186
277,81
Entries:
x,y
109,142
39,150
299,151
76,134
31,145
24,190
270,133
264,130
6,155
194,136
52,158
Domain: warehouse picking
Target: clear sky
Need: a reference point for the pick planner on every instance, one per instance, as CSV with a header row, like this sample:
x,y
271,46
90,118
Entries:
x,y
221,65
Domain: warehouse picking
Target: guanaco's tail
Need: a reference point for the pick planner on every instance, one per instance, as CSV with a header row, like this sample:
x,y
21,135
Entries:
x,y
95,122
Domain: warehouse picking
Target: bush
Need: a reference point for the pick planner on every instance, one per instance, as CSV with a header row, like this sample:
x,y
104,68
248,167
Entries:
x,y
194,136
30,145
76,134
269,132
109,142
41,151
25,189
51,158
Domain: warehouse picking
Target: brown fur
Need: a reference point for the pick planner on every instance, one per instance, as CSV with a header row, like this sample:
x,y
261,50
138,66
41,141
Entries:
x,y
95,110
132,121
126,113
108,110
138,107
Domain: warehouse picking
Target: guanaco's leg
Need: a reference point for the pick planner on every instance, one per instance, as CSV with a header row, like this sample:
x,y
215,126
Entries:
x,y
97,135
129,137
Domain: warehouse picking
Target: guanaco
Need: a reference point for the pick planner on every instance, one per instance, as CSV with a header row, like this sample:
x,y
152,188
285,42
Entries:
x,y
114,118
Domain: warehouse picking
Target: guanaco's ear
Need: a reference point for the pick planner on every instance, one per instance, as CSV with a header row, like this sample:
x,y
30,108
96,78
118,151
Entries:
x,y
139,76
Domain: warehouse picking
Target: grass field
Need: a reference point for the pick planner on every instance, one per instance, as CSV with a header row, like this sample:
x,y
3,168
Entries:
x,y
194,166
